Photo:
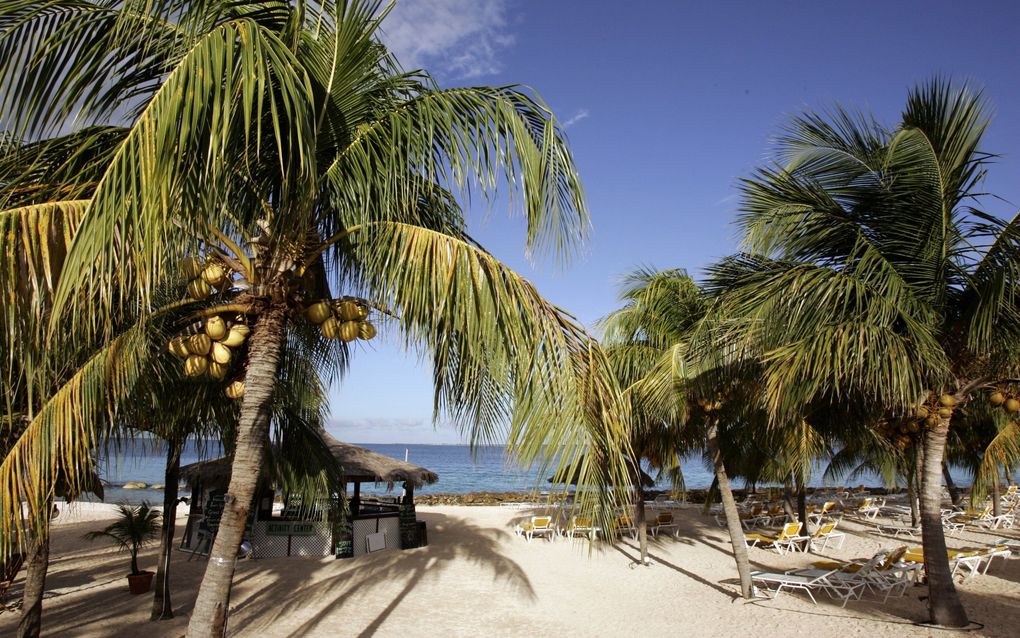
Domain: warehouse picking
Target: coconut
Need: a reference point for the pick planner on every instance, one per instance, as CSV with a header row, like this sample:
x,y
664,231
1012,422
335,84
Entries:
x,y
217,371
318,312
235,390
348,311
330,328
997,398
932,421
196,365
191,267
216,328
179,347
220,353
921,412
945,413
237,335
198,289
913,427
199,344
366,330
349,331
948,400
362,312
1012,405
214,274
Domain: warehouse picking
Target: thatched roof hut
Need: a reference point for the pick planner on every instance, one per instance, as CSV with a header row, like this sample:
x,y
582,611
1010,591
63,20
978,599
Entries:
x,y
359,466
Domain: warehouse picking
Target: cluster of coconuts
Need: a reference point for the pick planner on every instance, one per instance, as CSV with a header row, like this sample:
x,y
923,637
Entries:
x,y
709,405
1010,404
203,276
208,351
344,320
900,433
932,414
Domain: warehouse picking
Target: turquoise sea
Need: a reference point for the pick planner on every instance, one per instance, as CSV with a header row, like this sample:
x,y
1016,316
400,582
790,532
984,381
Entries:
x,y
459,472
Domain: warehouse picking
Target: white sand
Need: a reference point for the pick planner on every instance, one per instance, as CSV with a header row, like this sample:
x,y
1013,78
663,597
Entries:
x,y
477,579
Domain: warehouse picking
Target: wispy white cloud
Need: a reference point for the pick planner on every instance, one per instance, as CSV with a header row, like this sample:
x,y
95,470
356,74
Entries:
x,y
576,117
458,39
726,200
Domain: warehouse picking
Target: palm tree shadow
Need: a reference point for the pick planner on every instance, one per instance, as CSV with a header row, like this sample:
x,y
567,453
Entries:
x,y
636,559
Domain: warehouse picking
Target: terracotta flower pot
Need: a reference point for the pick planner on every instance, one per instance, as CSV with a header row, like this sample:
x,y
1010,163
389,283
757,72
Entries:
x,y
140,583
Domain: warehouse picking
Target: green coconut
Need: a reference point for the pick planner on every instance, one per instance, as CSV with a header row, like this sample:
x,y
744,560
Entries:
x,y
948,400
216,328
319,312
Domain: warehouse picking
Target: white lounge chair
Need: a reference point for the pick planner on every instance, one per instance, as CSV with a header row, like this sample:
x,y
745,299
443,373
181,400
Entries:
x,y
790,581
538,526
787,539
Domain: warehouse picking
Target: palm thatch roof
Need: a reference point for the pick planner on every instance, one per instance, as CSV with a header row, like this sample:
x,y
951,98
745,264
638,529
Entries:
x,y
359,465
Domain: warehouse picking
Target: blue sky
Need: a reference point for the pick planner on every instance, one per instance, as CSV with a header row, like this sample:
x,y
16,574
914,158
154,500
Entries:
x,y
667,105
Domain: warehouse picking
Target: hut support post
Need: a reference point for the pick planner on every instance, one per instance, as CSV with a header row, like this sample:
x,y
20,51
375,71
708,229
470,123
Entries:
x,y
408,519
343,532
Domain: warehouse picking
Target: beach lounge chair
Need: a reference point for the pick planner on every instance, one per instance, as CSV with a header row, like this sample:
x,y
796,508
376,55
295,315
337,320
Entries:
x,y
581,526
786,539
897,530
8,572
538,526
966,562
816,516
823,535
804,583
663,521
868,509
625,525
883,572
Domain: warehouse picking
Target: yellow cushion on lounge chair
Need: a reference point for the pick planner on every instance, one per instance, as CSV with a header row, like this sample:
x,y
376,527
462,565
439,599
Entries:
x,y
760,537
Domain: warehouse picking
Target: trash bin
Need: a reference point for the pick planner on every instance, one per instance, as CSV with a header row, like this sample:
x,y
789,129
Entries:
x,y
423,535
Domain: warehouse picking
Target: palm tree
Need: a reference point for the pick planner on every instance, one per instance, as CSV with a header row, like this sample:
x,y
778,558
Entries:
x,y
870,278
312,178
134,528
678,384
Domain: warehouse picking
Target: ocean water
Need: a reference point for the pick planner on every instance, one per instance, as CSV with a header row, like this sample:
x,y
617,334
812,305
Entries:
x,y
460,472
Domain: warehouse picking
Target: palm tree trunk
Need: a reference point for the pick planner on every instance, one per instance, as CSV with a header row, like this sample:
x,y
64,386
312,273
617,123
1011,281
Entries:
x,y
35,584
802,505
212,604
732,516
639,515
996,495
954,491
162,607
943,600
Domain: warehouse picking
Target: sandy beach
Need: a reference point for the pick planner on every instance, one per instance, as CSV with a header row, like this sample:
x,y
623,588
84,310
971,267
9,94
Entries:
x,y
477,578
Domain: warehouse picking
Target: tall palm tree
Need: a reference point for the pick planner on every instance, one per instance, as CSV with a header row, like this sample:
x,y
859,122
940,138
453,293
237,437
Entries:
x,y
315,182
684,387
869,277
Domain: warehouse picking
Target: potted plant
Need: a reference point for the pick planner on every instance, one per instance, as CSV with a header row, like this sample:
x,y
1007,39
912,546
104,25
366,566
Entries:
x,y
134,528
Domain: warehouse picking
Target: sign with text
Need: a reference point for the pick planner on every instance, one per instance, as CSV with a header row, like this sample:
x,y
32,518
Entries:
x,y
290,528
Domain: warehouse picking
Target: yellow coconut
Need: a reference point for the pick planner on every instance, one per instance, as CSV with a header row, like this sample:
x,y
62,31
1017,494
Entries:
x,y
362,312
235,390
199,290
199,344
196,365
948,400
319,312
921,412
945,413
179,347
932,421
217,370
216,328
348,311
237,335
349,331
1012,405
220,353
997,398
366,330
191,267
330,328
214,274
